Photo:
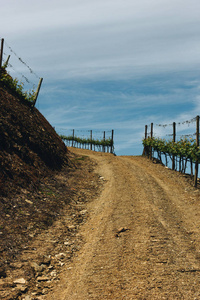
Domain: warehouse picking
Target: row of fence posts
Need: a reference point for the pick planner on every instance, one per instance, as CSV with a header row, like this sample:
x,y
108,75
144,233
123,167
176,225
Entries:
x,y
40,80
1,53
174,140
104,138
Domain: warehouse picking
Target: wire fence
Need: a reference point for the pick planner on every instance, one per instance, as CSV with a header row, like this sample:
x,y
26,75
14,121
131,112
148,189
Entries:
x,y
23,76
183,129
17,67
175,145
96,140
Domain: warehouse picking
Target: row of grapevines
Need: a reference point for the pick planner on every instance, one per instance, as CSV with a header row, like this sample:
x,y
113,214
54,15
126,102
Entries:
x,y
183,148
15,86
105,143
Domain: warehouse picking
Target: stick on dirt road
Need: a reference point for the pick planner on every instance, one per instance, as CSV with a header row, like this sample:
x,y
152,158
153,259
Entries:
x,y
142,237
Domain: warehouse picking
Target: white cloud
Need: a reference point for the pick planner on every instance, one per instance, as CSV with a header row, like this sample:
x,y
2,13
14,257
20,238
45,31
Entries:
x,y
81,41
97,38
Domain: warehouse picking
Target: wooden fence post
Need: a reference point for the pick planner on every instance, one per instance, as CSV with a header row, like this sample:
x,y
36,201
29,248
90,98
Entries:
x,y
104,138
37,91
73,139
145,133
174,140
145,137
90,139
7,60
151,138
112,138
197,143
1,52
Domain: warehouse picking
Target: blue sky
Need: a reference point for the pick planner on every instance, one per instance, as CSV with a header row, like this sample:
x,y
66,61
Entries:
x,y
109,64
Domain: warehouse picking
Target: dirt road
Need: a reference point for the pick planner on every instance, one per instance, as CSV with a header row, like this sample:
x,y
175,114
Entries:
x,y
142,238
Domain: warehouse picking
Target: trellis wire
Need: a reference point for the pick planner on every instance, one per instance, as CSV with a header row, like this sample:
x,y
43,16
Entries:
x,y
22,61
105,142
178,162
29,96
10,53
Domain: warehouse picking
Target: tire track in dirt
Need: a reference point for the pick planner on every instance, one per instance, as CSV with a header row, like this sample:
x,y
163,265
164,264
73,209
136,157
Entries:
x,y
156,258
171,234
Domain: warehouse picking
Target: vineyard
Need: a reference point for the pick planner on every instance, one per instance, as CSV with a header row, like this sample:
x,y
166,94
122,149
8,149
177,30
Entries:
x,y
89,142
177,154
18,87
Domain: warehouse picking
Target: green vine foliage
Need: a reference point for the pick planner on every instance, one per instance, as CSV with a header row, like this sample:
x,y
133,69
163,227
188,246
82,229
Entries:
x,y
15,86
183,148
105,143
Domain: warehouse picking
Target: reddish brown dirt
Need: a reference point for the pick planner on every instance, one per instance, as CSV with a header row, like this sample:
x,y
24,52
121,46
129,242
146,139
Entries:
x,y
43,191
132,231
84,225
30,153
35,247
142,237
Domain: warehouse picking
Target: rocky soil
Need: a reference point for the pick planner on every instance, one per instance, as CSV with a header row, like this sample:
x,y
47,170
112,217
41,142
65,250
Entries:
x,y
33,263
77,224
40,181
142,236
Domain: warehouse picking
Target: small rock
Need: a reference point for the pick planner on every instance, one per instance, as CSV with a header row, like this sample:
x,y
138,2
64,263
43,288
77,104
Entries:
x,y
27,297
50,267
46,259
53,273
60,255
121,229
54,242
42,278
71,227
67,243
37,268
22,288
28,201
83,212
44,291
19,281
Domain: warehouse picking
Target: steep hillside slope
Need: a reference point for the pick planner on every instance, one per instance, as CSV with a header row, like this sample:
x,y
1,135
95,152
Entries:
x,y
30,154
29,146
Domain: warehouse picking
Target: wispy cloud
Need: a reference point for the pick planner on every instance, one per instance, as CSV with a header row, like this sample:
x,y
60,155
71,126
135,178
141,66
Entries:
x,y
110,64
97,38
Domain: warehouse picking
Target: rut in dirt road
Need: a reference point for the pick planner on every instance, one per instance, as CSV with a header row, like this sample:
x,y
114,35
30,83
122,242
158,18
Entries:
x,y
142,237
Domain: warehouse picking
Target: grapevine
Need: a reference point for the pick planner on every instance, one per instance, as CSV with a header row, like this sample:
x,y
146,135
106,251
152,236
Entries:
x,y
85,141
183,148
15,86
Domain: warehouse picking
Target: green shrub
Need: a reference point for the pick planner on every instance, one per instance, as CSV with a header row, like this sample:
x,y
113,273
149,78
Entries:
x,y
15,86
85,141
184,147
